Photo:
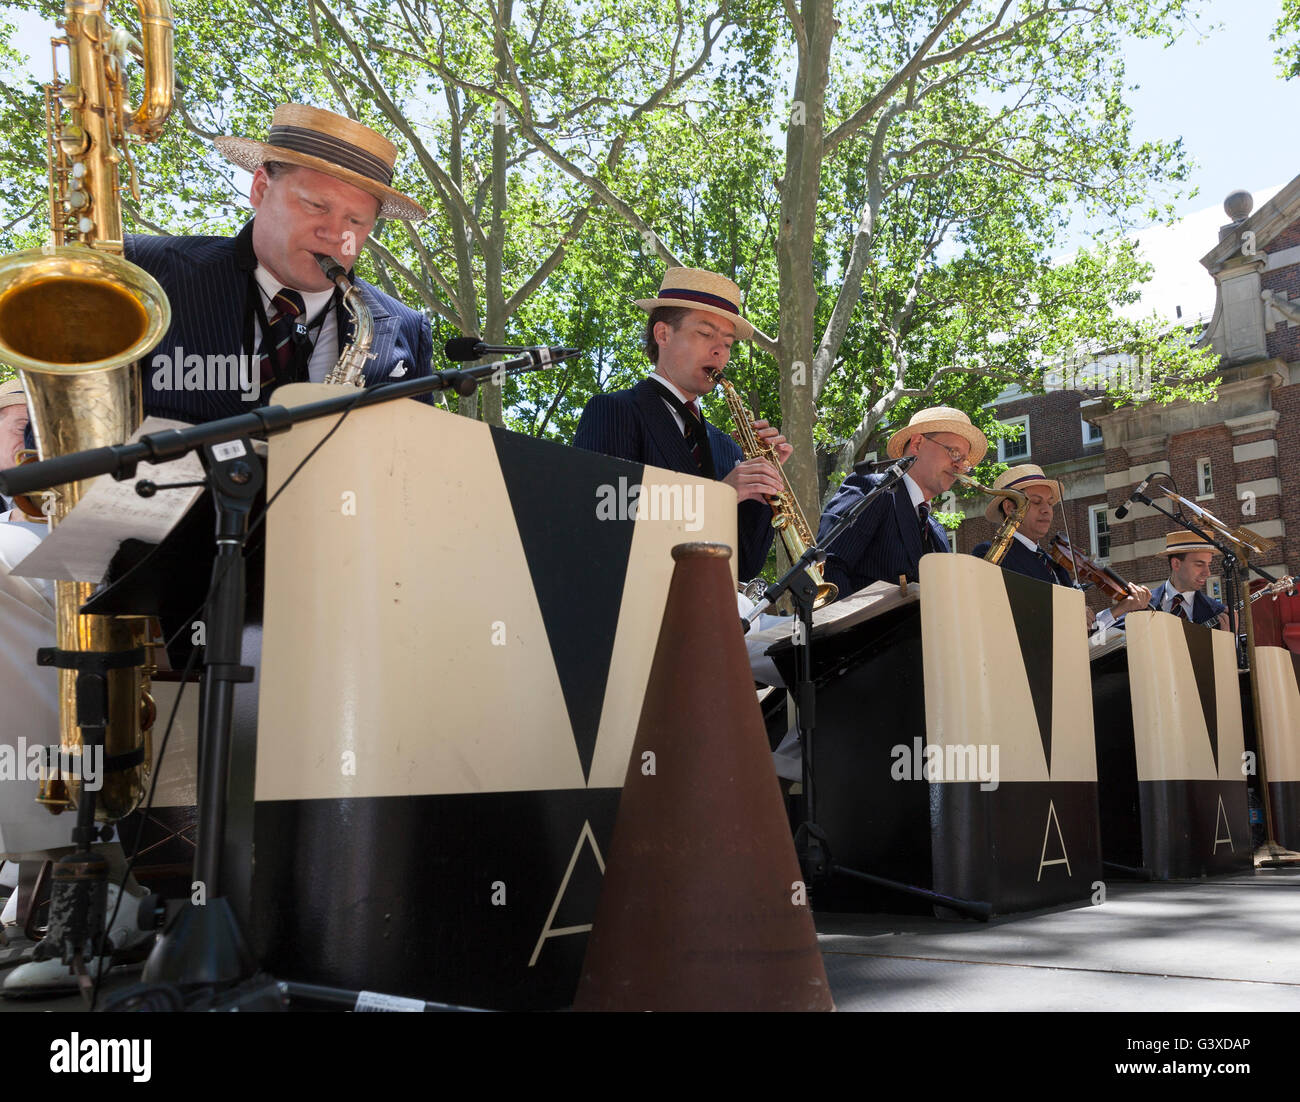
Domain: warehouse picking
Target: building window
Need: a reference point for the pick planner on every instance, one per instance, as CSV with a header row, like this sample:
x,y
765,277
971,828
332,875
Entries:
x,y
1204,478
1091,434
1098,532
1215,587
1009,450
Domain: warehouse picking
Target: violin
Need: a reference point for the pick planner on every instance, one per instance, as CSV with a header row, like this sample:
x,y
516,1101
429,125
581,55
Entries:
x,y
1085,570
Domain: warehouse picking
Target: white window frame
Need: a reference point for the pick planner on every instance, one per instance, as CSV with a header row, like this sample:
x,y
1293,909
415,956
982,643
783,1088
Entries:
x,y
1023,420
1214,587
1204,467
1093,511
1088,429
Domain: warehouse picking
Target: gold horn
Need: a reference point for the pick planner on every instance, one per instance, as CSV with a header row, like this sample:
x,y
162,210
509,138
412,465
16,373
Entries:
x,y
1002,540
75,320
787,517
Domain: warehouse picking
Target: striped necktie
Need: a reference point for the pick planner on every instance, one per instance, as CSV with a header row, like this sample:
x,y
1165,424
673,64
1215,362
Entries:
x,y
1179,606
697,435
277,344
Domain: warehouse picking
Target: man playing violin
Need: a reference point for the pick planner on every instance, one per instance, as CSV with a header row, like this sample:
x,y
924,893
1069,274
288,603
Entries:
x,y
1026,556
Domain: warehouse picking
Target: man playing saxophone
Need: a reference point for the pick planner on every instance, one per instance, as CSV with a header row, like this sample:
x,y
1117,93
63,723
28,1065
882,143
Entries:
x,y
693,322
886,541
255,311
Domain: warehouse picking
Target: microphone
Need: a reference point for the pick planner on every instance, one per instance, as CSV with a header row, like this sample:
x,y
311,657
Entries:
x,y
1123,510
471,348
895,471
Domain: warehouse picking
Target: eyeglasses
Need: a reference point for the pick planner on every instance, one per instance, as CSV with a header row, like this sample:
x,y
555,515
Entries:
x,y
958,457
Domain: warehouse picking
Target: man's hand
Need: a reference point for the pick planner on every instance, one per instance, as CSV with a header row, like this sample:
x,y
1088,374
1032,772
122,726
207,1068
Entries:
x,y
1139,598
1223,622
773,438
754,480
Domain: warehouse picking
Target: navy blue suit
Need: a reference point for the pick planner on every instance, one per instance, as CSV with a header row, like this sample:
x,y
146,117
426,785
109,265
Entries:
x,y
1020,560
884,541
1205,610
637,425
207,283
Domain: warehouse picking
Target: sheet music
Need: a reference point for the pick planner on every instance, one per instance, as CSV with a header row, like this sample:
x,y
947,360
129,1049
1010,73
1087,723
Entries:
x,y
85,541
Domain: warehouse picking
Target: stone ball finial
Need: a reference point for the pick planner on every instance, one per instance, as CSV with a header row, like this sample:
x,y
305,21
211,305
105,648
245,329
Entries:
x,y
1238,205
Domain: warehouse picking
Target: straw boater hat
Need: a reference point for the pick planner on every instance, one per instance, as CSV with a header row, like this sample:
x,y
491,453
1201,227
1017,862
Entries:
x,y
1183,541
329,143
1020,478
697,289
11,394
939,419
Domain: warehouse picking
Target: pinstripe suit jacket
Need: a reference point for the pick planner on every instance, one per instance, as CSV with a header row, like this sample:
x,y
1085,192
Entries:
x,y
1020,560
207,280
884,541
636,425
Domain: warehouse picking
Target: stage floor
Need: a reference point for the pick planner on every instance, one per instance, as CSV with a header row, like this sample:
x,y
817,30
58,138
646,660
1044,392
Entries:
x,y
1221,944
1226,944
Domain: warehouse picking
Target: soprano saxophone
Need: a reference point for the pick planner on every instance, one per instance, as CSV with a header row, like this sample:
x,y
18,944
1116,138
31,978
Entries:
x,y
1002,540
787,517
350,368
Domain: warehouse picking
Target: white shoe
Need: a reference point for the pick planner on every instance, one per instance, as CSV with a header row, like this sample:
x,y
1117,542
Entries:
x,y
47,977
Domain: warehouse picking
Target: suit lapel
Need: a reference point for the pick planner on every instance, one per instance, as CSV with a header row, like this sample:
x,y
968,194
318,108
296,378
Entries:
x,y
908,522
661,427
940,535
380,366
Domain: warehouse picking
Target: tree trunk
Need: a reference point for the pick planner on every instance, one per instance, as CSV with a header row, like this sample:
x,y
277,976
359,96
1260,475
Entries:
x,y
794,245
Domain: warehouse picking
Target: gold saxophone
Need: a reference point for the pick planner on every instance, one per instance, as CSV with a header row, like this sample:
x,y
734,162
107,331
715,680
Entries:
x,y
75,319
1002,540
349,369
787,517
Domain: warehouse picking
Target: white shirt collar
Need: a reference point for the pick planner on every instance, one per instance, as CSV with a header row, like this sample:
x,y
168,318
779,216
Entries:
x,y
1028,543
1189,597
682,396
913,490
313,302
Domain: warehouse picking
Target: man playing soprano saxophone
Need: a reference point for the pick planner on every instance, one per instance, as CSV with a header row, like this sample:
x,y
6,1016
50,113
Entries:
x,y
320,183
693,322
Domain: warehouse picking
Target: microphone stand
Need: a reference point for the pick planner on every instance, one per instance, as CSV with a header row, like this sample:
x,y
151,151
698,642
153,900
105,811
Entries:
x,y
203,947
1271,854
811,842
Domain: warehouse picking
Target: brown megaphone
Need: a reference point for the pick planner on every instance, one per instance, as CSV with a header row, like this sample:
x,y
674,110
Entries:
x,y
703,906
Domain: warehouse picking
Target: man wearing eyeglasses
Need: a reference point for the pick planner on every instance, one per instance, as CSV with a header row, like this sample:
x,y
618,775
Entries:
x,y
888,539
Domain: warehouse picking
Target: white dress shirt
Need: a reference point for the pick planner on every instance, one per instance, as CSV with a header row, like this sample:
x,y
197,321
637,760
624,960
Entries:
x,y
325,352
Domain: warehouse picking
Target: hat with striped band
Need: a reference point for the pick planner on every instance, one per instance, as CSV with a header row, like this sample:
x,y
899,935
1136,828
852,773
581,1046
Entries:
x,y
1181,542
12,394
697,289
328,143
1021,478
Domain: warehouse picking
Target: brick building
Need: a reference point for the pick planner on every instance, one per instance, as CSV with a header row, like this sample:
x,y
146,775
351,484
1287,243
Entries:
x,y
1238,456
